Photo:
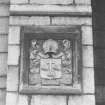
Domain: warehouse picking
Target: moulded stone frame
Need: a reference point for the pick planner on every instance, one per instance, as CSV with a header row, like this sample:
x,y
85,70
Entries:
x,y
73,32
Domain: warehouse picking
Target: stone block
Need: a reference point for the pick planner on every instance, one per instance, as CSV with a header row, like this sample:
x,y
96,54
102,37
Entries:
x,y
22,100
4,1
3,82
52,1
83,2
14,35
3,64
71,21
88,56
13,54
25,20
81,100
3,43
2,97
11,98
4,21
48,100
12,78
87,36
88,80
4,10
18,1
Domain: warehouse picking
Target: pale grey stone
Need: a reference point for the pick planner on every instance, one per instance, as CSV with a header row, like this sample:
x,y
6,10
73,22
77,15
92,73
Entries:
x,y
88,80
11,98
12,78
13,55
25,20
3,82
18,1
51,1
3,43
88,56
22,100
82,100
2,97
51,9
4,1
48,100
4,10
3,64
14,35
83,2
71,21
87,35
4,22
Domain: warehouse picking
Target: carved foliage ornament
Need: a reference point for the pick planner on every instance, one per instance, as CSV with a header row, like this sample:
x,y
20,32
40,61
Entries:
x,y
50,62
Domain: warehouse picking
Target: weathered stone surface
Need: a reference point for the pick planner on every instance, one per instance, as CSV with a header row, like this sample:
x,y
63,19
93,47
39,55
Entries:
x,y
11,98
2,97
22,100
13,55
40,9
4,10
66,79
3,64
4,1
87,36
14,35
48,100
88,56
71,21
4,25
51,1
88,80
82,100
12,78
3,43
18,1
34,78
25,20
3,82
50,82
86,2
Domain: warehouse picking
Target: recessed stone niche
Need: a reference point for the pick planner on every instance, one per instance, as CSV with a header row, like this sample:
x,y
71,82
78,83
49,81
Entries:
x,y
50,59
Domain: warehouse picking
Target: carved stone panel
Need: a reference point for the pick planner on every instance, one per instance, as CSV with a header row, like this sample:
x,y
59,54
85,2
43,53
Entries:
x,y
50,62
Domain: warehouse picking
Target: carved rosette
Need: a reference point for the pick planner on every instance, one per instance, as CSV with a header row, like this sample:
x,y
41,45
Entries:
x,y
50,62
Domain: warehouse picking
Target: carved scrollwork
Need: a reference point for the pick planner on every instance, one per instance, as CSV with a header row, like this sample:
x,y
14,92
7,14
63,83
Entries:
x,y
52,60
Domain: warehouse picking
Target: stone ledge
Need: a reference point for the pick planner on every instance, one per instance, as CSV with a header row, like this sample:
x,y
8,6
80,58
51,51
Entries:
x,y
50,9
63,2
83,2
18,1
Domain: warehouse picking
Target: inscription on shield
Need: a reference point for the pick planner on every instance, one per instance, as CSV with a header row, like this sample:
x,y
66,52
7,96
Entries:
x,y
50,68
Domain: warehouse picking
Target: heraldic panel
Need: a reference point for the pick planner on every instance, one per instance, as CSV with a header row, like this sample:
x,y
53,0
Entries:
x,y
50,60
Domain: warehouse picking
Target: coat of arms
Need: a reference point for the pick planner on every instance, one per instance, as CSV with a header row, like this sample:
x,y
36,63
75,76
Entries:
x,y
52,60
